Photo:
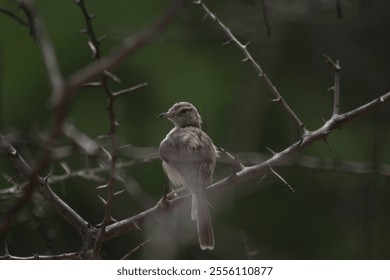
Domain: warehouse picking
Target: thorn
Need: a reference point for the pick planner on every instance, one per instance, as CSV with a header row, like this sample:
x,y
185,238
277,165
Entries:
x,y
118,193
244,46
245,59
48,176
280,178
262,178
92,84
330,89
226,43
91,16
101,187
125,146
335,65
327,143
6,250
128,90
326,57
107,153
102,38
112,76
270,150
112,219
83,31
120,179
276,99
137,226
103,200
237,167
132,252
205,17
65,167
93,48
197,2
338,67
12,178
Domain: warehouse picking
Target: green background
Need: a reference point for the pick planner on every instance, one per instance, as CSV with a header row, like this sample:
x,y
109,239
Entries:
x,y
331,215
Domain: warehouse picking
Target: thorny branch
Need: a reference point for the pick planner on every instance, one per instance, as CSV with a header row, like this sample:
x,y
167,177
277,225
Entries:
x,y
336,86
48,54
256,66
38,32
103,83
24,170
94,45
277,159
64,90
129,46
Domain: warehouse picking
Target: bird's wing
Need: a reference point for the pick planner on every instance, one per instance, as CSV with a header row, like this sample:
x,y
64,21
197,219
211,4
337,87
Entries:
x,y
191,154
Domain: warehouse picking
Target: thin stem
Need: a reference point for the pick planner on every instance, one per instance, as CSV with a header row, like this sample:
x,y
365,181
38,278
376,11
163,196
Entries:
x,y
256,66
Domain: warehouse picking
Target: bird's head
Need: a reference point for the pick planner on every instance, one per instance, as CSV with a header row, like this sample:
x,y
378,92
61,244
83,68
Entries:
x,y
183,114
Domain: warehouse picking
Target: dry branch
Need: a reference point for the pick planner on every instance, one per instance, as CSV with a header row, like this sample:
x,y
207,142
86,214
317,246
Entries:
x,y
63,91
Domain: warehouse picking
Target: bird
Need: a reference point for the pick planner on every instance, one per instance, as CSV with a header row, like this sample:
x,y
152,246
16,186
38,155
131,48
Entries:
x,y
188,158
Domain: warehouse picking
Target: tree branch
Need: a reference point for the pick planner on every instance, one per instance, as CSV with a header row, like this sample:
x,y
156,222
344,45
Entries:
x,y
256,66
48,54
13,16
336,86
129,46
24,170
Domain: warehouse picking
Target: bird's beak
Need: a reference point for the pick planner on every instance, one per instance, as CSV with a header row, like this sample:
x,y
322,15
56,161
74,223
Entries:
x,y
164,115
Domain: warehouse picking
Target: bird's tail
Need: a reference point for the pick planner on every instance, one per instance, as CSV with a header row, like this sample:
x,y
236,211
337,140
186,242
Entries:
x,y
200,212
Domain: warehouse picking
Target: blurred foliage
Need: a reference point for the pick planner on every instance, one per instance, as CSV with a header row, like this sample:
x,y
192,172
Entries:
x,y
332,215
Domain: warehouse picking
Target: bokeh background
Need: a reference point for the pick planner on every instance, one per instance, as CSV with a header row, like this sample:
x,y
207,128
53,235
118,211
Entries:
x,y
331,215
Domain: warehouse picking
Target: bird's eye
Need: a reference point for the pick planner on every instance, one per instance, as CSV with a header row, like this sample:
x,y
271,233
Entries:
x,y
184,110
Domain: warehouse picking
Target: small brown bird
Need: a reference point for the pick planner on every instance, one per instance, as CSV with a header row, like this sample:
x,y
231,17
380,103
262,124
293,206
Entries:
x,y
189,156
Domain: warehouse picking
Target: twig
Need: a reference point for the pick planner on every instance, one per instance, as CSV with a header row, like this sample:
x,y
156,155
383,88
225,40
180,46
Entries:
x,y
78,137
13,16
336,87
277,176
135,221
128,90
32,176
65,256
236,161
136,249
48,54
256,66
94,44
17,161
278,159
129,46
265,17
